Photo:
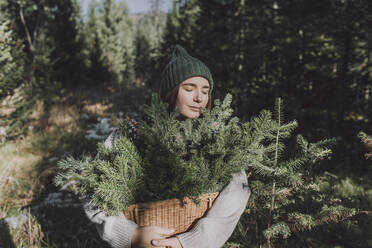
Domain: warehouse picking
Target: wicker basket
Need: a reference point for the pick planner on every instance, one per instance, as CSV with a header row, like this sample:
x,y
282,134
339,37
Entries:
x,y
177,214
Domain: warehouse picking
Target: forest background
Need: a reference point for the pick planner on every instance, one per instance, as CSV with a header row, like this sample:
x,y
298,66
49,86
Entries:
x,y
65,82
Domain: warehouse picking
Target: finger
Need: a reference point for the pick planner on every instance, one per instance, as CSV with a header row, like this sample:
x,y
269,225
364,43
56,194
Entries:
x,y
161,242
164,231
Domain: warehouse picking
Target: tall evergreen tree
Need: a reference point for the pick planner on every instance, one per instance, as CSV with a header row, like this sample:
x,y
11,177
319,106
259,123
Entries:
x,y
115,36
67,56
31,23
98,73
11,60
148,37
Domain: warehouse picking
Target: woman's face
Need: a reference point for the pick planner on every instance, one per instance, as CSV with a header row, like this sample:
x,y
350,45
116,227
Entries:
x,y
193,94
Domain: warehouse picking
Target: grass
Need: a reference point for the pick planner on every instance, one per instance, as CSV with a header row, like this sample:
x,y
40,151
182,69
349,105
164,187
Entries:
x,y
19,185
14,165
30,234
28,180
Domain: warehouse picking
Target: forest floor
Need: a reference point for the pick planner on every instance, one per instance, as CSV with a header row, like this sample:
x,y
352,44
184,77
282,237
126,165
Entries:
x,y
33,212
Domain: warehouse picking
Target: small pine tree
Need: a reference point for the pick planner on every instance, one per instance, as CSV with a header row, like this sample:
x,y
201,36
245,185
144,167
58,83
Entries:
x,y
287,197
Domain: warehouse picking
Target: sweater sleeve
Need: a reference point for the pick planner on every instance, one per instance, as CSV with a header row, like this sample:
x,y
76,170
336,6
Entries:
x,y
214,230
116,230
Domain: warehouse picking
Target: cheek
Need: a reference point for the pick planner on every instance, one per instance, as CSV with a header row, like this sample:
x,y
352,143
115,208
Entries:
x,y
183,99
205,101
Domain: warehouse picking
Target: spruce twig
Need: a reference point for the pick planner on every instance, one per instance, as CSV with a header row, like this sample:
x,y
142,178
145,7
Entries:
x,y
367,141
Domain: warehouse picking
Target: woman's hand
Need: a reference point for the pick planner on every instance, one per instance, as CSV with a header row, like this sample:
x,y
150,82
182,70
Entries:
x,y
143,236
171,242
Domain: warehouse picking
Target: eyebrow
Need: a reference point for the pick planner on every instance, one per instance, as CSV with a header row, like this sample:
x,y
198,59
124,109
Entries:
x,y
192,84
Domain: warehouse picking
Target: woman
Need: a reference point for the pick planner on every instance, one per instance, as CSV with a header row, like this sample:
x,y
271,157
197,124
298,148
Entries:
x,y
186,83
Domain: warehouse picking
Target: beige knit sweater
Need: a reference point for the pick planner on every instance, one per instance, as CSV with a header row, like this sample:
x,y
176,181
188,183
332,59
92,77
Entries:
x,y
211,231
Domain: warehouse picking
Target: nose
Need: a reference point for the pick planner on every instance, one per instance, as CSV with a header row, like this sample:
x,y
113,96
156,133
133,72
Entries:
x,y
197,97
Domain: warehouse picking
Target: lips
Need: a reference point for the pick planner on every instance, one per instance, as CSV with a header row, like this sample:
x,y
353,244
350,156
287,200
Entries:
x,y
195,109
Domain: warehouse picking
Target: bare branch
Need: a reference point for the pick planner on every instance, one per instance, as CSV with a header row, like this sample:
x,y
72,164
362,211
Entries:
x,y
29,40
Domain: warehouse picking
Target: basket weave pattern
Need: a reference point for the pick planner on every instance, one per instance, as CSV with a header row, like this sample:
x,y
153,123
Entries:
x,y
175,214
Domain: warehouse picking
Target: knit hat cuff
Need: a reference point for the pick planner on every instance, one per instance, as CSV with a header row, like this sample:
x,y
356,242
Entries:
x,y
177,73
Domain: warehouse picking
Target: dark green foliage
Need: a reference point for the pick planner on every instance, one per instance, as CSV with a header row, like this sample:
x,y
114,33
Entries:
x,y
11,60
51,41
50,48
67,55
17,123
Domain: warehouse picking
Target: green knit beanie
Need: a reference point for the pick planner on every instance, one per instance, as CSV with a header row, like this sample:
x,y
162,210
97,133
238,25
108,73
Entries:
x,y
181,67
